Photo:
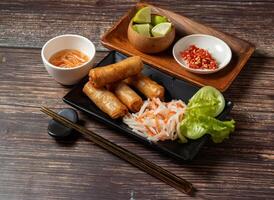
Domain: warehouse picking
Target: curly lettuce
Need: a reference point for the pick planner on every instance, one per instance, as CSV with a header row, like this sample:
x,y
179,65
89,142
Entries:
x,y
200,115
207,101
195,126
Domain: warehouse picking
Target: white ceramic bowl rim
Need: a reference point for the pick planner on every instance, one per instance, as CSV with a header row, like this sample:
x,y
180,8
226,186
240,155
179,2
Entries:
x,y
224,63
65,35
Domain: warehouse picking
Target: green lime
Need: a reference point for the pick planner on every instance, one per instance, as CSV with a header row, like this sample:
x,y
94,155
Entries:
x,y
161,29
157,19
143,16
142,29
134,28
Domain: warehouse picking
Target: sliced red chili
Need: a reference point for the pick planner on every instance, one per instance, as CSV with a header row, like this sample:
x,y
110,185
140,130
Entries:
x,y
198,58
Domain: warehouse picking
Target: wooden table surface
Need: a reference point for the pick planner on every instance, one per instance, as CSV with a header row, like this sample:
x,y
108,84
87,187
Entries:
x,y
35,166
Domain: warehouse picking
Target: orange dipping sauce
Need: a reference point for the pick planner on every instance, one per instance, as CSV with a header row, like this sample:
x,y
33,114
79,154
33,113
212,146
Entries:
x,y
68,58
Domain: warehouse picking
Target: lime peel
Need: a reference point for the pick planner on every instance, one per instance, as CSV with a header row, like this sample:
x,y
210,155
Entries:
x,y
143,15
142,29
157,19
161,29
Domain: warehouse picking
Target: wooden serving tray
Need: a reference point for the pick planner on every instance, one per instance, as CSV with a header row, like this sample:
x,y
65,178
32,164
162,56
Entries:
x,y
116,38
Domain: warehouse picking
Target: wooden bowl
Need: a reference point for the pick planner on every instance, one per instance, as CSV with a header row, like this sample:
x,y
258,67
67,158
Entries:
x,y
150,44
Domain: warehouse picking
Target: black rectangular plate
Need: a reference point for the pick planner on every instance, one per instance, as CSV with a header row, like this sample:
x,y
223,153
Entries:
x,y
174,89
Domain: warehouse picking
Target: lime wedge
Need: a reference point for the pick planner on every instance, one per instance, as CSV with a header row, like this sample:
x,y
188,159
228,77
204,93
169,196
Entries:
x,y
143,16
134,28
161,29
142,29
157,19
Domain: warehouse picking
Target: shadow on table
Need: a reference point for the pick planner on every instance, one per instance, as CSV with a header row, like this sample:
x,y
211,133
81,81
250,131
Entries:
x,y
253,69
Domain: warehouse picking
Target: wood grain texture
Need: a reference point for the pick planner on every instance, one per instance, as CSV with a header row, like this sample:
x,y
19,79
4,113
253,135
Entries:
x,y
118,38
32,23
35,166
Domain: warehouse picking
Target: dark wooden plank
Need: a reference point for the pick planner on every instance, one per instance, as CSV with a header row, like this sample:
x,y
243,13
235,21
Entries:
x,y
34,166
32,23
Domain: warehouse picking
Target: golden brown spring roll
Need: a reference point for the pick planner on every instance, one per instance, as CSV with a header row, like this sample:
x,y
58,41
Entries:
x,y
127,96
102,76
105,100
145,85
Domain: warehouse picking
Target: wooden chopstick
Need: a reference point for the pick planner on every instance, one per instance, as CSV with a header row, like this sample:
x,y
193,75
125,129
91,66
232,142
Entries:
x,y
139,162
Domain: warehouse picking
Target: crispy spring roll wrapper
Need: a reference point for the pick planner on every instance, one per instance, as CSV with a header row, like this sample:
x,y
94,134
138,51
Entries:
x,y
105,100
127,96
102,76
145,85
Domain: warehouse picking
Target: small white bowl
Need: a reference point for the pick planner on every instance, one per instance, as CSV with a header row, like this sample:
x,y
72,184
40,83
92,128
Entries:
x,y
219,50
68,76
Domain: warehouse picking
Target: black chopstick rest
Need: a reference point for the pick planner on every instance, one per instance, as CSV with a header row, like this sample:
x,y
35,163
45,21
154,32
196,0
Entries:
x,y
57,130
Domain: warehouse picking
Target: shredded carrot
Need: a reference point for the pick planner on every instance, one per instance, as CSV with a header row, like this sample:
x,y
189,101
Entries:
x,y
157,120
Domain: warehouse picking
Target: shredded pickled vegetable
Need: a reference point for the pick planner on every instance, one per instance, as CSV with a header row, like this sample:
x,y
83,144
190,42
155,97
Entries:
x,y
68,58
157,120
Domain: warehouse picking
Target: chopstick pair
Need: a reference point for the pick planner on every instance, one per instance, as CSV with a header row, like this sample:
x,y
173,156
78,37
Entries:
x,y
137,161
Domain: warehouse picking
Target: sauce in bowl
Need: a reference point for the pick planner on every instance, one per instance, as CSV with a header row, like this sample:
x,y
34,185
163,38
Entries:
x,y
68,58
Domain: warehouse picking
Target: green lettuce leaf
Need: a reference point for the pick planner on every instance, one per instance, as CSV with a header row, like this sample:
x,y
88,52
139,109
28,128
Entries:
x,y
207,101
195,126
200,115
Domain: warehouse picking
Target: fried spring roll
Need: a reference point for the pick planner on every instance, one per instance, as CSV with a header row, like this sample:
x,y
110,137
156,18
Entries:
x,y
127,96
105,100
102,76
145,85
